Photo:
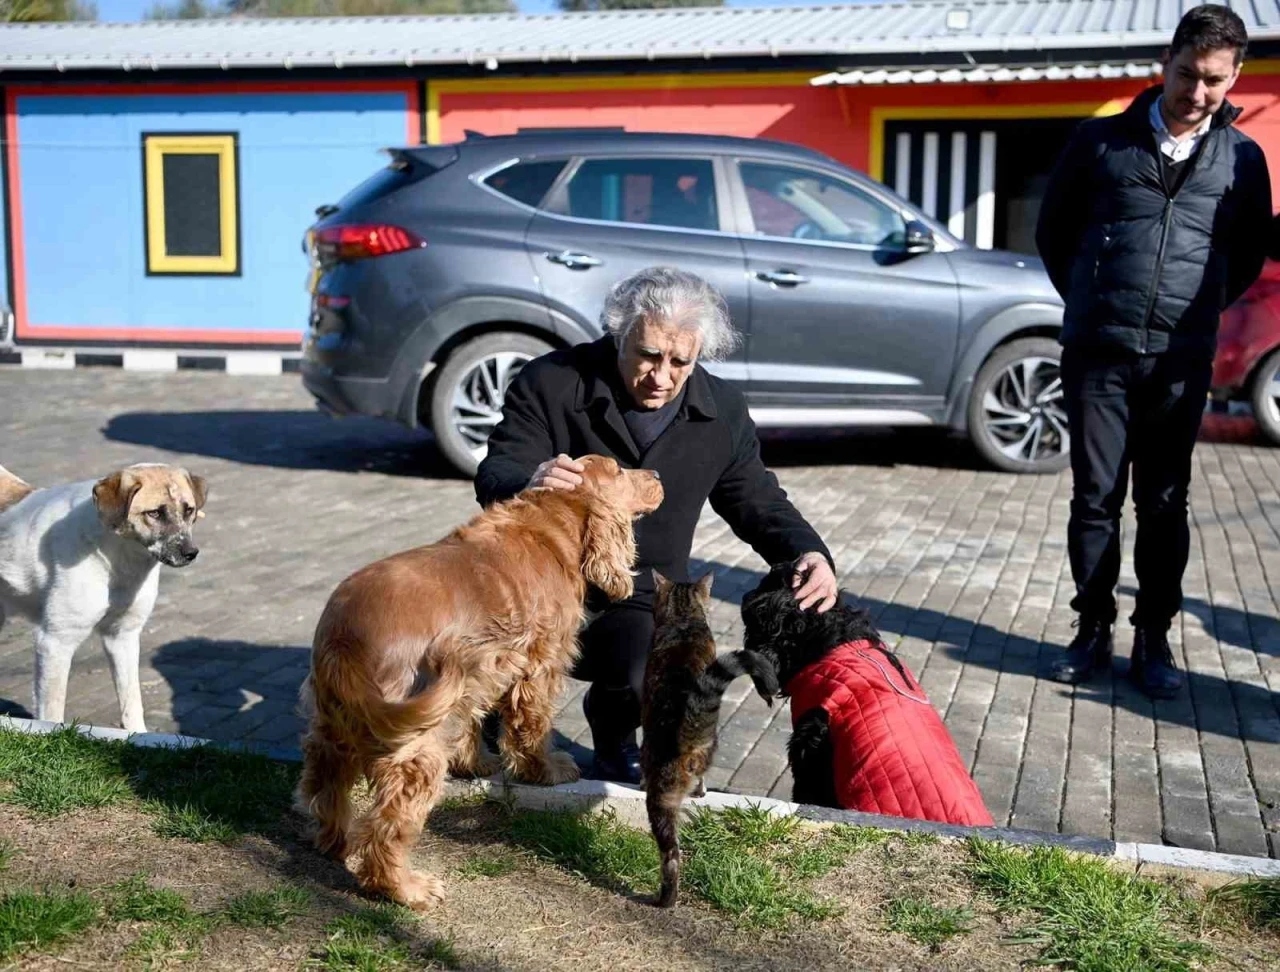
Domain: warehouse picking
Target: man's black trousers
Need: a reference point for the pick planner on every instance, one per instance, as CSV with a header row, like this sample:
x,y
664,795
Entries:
x,y
1142,412
614,650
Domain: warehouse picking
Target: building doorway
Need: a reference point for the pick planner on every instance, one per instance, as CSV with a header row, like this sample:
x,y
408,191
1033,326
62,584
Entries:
x,y
983,179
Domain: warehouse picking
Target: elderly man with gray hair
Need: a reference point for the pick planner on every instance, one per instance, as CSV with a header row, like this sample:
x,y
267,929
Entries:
x,y
639,395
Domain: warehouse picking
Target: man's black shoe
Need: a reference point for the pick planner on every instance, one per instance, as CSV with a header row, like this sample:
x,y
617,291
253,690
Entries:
x,y
620,766
1090,649
1152,668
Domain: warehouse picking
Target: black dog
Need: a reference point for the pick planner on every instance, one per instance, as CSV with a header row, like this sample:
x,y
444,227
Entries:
x,y
863,738
794,639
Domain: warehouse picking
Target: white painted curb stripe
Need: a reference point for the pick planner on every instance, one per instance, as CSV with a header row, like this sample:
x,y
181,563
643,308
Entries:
x,y
253,363
628,804
48,358
149,360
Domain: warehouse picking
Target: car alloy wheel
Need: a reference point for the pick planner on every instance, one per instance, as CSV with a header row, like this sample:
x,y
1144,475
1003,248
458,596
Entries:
x,y
1022,411
477,398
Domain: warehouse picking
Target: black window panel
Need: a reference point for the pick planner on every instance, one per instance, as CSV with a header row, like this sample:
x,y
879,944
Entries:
x,y
192,205
526,182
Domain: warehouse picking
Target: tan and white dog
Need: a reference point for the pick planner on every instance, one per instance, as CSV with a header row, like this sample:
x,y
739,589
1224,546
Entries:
x,y
85,557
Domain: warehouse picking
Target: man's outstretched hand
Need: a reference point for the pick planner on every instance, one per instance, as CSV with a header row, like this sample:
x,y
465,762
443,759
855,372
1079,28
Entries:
x,y
558,473
815,583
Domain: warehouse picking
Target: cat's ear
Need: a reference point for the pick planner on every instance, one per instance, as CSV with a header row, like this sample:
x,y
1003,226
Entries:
x,y
704,585
660,583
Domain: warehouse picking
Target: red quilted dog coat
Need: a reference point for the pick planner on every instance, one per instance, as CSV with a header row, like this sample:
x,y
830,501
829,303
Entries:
x,y
893,754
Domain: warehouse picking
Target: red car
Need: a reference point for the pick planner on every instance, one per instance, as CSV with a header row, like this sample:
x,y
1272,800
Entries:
x,y
1248,359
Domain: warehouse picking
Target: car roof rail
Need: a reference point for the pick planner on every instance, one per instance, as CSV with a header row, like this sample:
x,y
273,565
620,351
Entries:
x,y
573,130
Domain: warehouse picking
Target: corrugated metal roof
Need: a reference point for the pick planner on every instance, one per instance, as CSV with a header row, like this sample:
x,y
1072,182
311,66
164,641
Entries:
x,y
892,28
989,73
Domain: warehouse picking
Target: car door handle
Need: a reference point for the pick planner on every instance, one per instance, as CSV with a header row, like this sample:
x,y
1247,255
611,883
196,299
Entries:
x,y
783,278
574,260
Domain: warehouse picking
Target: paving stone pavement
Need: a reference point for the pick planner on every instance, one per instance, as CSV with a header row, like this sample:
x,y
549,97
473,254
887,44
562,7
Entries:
x,y
964,569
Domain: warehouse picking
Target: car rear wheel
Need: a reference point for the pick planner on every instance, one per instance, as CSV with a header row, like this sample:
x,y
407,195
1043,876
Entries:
x,y
1264,395
467,395
1017,421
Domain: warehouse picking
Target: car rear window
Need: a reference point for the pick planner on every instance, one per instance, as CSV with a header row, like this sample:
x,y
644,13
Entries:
x,y
526,182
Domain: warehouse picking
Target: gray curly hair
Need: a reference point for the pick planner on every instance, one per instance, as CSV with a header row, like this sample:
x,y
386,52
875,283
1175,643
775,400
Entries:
x,y
673,297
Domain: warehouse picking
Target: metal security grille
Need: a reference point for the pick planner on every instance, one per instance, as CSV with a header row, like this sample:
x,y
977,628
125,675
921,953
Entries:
x,y
949,171
983,179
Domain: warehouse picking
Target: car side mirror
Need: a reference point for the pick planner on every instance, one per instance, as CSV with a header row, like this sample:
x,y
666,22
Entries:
x,y
919,237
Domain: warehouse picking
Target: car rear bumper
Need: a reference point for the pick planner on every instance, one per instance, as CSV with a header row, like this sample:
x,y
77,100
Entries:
x,y
339,395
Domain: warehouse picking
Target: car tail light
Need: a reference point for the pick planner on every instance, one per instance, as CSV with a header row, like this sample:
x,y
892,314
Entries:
x,y
340,244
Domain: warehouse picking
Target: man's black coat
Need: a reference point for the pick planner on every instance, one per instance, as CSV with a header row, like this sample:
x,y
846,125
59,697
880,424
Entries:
x,y
567,401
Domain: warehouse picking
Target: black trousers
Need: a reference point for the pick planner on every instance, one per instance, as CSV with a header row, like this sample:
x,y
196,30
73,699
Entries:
x,y
614,649
1141,411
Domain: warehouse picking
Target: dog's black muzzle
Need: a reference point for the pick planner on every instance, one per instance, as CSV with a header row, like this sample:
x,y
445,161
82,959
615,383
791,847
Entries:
x,y
178,551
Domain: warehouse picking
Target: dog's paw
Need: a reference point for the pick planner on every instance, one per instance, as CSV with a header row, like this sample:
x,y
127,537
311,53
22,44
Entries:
x,y
562,769
557,767
419,891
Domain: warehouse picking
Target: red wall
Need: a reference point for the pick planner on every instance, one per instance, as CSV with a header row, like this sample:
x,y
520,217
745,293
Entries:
x,y
834,120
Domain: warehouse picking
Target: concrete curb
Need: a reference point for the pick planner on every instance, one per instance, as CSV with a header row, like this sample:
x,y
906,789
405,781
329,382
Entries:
x,y
627,803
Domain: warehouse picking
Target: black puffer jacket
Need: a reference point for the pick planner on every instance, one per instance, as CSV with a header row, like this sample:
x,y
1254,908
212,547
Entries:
x,y
1140,269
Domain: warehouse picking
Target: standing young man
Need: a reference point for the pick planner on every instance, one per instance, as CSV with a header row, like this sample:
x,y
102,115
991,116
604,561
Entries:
x,y
1154,221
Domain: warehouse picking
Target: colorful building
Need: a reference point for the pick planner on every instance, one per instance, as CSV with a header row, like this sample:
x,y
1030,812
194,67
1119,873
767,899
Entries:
x,y
158,177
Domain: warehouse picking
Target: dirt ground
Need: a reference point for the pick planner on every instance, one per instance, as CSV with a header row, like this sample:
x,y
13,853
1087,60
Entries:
x,y
535,917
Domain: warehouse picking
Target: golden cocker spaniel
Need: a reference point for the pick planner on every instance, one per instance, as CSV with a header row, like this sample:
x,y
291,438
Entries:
x,y
412,651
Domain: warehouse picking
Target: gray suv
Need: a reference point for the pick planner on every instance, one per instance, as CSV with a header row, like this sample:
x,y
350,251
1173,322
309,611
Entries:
x,y
438,277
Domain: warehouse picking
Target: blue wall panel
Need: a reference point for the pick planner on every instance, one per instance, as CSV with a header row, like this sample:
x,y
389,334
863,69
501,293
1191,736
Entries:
x,y
81,185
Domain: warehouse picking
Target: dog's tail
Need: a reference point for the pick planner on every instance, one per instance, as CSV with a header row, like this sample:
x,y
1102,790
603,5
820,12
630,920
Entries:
x,y
664,821
394,724
717,676
12,489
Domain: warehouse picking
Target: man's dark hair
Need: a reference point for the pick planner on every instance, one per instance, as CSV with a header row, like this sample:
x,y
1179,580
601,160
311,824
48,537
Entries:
x,y
1210,27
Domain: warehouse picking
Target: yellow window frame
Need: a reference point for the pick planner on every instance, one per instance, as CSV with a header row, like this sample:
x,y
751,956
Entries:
x,y
155,148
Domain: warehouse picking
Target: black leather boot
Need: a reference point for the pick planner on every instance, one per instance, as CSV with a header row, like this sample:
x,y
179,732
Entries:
x,y
612,715
1152,668
1090,649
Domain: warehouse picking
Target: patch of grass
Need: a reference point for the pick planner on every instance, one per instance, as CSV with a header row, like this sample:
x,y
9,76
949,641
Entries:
x,y
744,861
1256,902
172,930
1086,916
193,824
268,909
489,863
373,939
461,802
856,839
34,920
6,852
61,771
133,899
594,845
744,828
203,793
160,944
726,861
926,923
200,793
915,839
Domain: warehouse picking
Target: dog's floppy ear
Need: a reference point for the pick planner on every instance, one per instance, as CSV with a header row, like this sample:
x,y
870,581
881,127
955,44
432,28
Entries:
x,y
113,495
609,550
200,490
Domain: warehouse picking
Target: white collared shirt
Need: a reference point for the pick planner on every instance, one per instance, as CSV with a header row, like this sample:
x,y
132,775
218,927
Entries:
x,y
1177,150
